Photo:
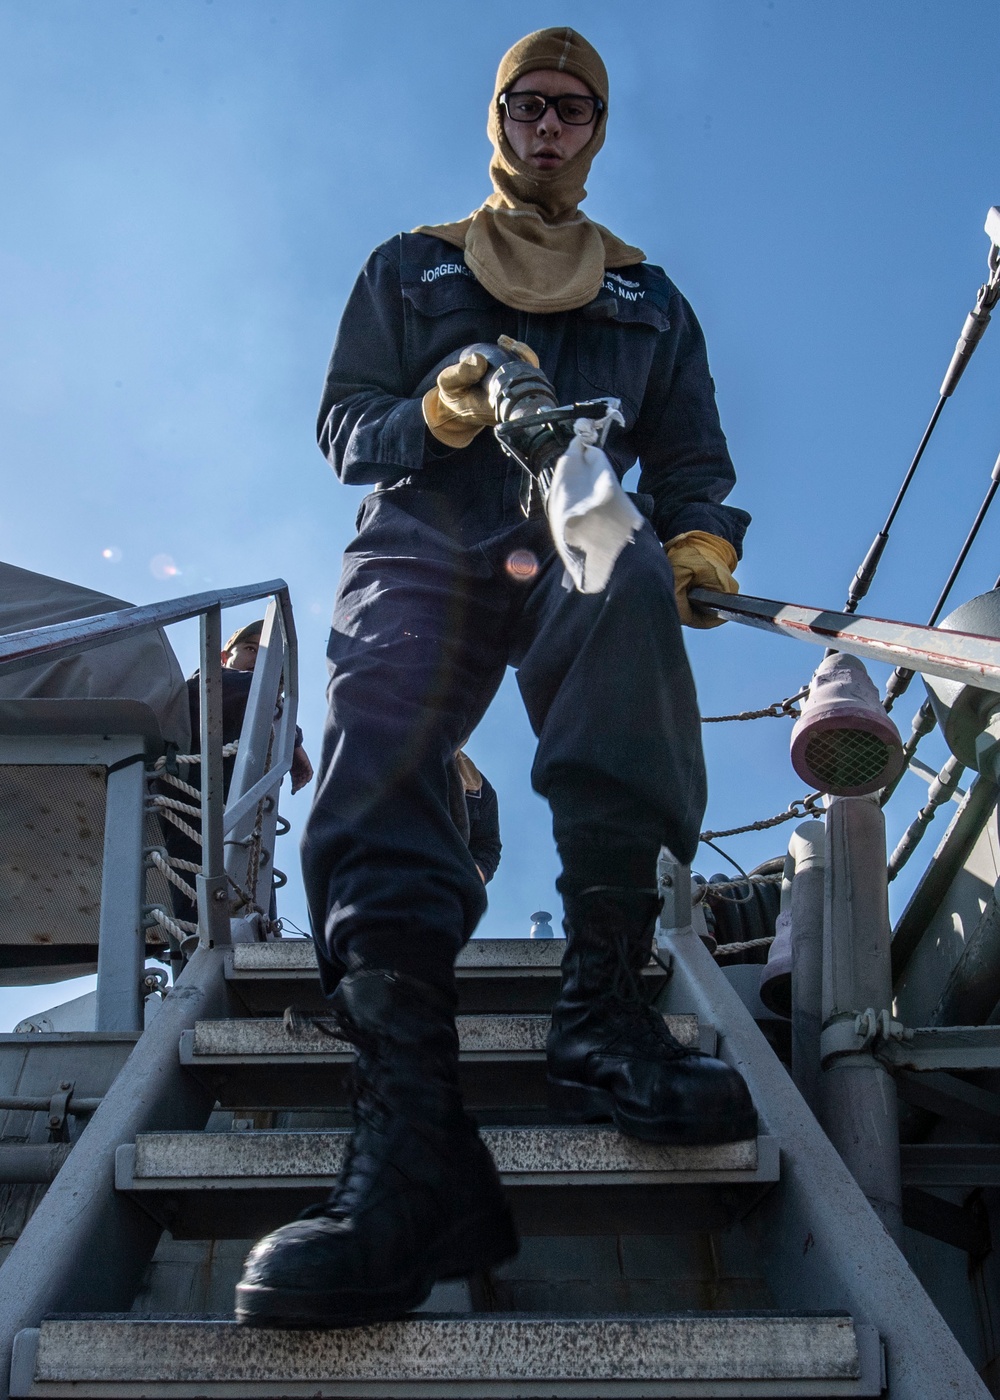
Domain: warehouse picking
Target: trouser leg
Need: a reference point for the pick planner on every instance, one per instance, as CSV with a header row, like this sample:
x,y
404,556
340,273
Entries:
x,y
416,652
609,692
413,665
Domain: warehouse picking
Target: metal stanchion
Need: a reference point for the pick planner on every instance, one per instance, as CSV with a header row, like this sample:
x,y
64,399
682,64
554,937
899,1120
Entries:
x,y
858,1107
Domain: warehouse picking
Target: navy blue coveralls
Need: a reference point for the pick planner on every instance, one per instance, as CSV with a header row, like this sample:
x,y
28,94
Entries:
x,y
432,607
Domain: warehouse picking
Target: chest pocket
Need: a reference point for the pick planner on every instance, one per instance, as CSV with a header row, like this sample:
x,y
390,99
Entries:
x,y
441,316
614,353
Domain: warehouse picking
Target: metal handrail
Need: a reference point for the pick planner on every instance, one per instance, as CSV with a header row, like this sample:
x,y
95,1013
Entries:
x,y
19,650
965,657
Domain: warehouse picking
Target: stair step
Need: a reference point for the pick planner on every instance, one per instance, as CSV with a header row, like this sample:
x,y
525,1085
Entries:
x,y
562,1180
493,974
671,1355
259,1064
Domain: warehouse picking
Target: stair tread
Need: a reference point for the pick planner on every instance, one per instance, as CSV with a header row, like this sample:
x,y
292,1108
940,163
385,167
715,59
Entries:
x,y
483,1349
483,1034
299,954
547,1152
492,974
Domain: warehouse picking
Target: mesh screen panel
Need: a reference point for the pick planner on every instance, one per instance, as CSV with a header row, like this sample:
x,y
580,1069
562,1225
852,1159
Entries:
x,y
52,855
846,758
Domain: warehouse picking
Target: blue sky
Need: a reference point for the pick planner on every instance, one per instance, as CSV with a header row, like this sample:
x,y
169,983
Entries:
x,y
190,186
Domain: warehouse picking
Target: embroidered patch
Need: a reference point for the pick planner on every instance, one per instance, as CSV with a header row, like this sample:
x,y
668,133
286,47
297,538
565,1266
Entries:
x,y
622,281
431,274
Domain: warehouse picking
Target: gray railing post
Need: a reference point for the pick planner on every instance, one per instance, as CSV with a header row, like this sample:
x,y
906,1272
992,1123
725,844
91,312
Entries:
x,y
674,884
121,949
213,903
859,1110
807,849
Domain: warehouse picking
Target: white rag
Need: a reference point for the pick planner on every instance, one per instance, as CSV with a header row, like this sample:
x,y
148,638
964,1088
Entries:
x,y
590,516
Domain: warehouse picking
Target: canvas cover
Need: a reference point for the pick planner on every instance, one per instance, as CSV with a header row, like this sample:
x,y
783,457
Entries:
x,y
142,667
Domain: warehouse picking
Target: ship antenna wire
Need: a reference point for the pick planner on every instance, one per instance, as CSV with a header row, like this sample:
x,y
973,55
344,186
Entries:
x,y
972,332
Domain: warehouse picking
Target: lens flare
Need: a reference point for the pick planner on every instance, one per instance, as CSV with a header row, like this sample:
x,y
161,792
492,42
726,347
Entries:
x,y
522,565
113,554
162,566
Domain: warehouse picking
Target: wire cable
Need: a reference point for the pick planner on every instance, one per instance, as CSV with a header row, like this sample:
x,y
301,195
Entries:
x,y
901,676
972,333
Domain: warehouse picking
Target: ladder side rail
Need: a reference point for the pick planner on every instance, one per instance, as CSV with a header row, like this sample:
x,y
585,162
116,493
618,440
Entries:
x,y
268,728
956,656
821,1243
211,883
87,1249
244,794
284,735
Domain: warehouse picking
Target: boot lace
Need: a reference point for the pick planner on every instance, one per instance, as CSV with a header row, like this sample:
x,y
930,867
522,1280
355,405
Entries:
x,y
370,1107
629,1004
373,1107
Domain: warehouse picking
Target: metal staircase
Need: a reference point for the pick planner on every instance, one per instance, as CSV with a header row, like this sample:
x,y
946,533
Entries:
x,y
752,1269
581,1312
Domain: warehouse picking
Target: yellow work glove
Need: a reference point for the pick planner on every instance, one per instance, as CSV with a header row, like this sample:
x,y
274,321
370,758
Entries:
x,y
701,560
458,407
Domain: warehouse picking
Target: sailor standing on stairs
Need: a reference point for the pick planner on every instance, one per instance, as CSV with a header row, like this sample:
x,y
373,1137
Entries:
x,y
445,585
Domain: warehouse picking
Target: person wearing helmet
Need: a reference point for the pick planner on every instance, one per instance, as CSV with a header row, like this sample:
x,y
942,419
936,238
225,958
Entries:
x,y
446,584
239,657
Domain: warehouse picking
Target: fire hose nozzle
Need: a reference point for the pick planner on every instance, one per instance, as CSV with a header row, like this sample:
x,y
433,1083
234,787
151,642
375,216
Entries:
x,y
516,388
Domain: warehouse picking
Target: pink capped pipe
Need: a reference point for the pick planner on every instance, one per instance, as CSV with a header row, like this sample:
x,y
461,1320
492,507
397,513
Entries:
x,y
844,743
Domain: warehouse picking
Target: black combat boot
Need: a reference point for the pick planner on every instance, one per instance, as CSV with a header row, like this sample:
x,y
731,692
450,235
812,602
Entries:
x,y
418,1198
610,1054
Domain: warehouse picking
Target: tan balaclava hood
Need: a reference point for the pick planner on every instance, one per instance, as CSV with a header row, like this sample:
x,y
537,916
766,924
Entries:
x,y
529,244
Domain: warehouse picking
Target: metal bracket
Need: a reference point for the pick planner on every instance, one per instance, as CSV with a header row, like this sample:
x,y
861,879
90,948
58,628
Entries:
x,y
59,1111
213,910
963,1049
874,1027
247,929
155,980
924,1049
854,1033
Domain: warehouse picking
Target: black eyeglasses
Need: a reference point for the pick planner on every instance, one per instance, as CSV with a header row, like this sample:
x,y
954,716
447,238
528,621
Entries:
x,y
532,106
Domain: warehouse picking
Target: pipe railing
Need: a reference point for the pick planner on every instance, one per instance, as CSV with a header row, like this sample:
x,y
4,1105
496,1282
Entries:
x,y
19,650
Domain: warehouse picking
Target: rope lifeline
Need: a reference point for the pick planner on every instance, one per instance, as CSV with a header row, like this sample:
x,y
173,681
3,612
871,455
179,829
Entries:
x,y
801,807
725,950
779,710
